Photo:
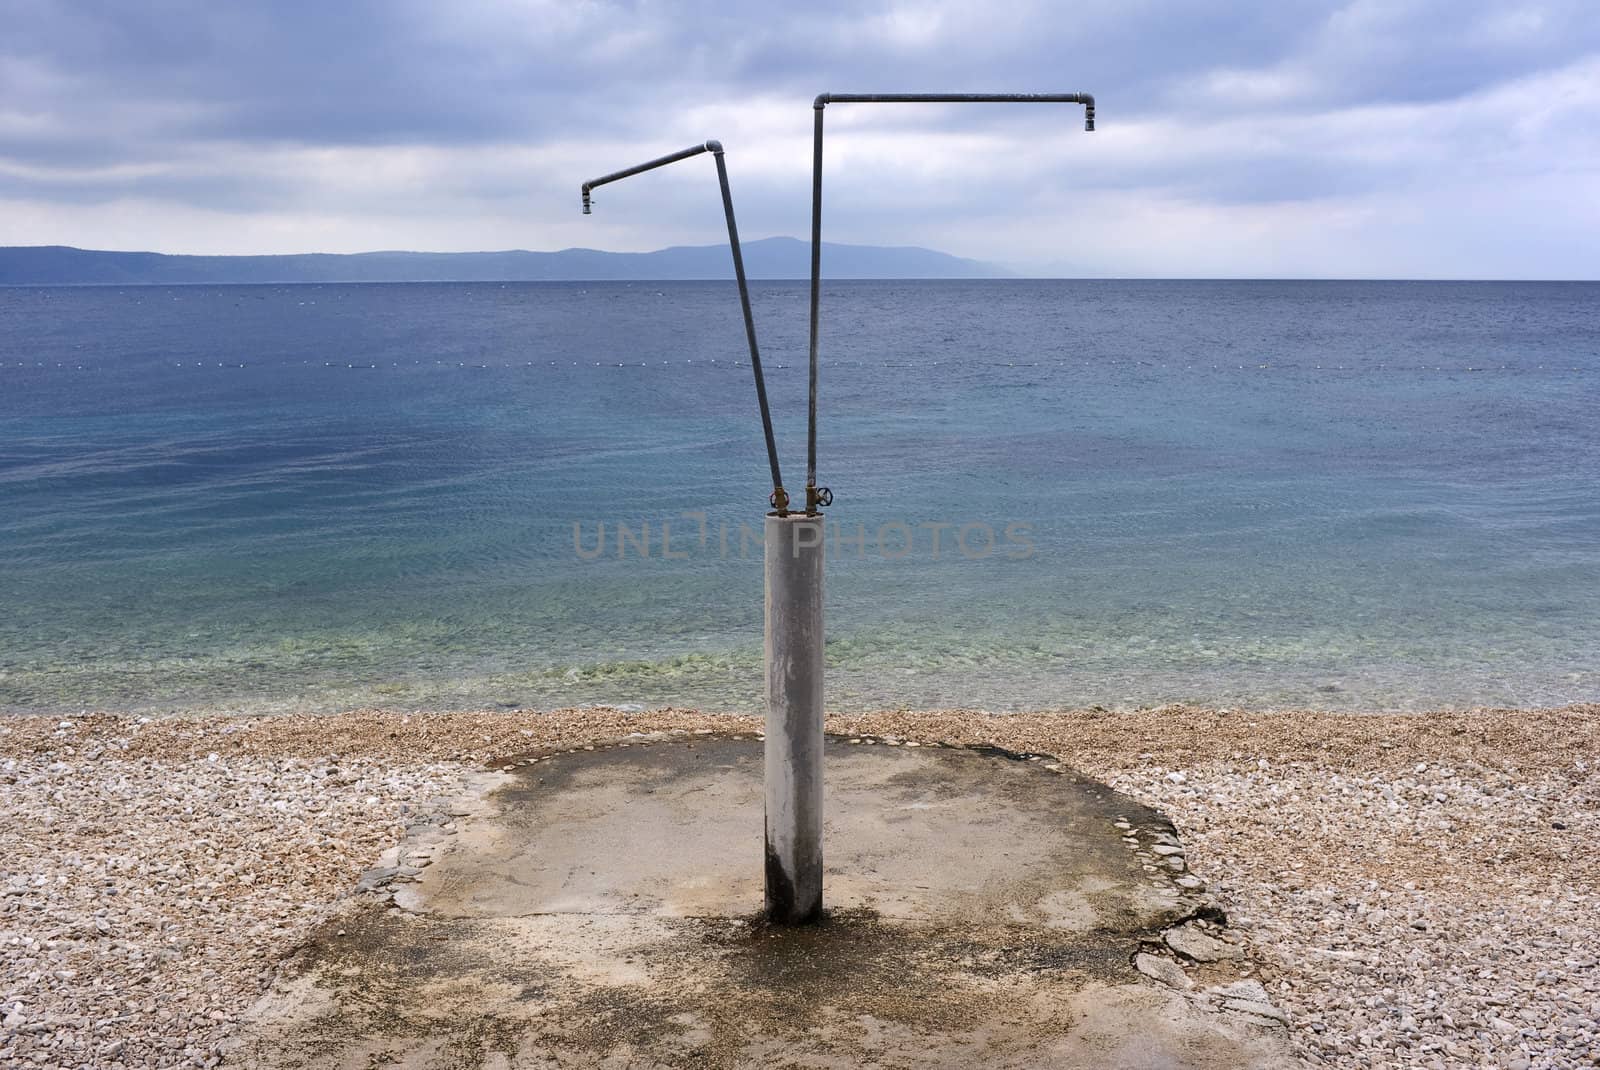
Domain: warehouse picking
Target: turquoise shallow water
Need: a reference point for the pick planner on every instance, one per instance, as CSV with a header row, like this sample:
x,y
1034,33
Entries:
x,y
1338,495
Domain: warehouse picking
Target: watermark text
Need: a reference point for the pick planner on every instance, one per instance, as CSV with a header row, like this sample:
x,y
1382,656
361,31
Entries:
x,y
694,534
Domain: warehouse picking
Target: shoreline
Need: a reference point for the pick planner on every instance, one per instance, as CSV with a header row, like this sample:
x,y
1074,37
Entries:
x,y
1190,732
271,709
1413,889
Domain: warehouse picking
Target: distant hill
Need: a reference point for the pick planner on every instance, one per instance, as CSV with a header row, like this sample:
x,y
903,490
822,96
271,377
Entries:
x,y
768,258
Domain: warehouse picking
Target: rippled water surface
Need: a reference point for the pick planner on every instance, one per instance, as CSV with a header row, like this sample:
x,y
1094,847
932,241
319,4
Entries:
x,y
1341,495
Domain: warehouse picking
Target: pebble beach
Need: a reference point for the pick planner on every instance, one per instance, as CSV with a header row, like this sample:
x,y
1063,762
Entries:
x,y
1412,890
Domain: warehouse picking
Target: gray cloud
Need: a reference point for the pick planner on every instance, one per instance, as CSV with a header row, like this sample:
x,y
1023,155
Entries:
x,y
465,125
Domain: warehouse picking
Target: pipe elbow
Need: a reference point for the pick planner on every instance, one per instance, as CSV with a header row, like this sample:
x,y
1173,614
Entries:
x,y
821,101
714,147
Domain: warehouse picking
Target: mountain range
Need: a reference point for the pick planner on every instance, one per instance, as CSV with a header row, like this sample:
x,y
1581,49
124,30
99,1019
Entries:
x,y
767,258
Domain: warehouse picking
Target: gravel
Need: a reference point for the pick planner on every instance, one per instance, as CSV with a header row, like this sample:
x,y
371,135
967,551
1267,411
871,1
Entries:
x,y
1412,890
144,901
1432,919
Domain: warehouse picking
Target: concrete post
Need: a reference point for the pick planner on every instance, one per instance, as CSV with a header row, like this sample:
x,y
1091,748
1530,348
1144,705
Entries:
x,y
794,552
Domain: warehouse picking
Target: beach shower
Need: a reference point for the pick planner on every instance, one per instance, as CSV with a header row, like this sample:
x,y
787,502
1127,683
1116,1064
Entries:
x,y
794,552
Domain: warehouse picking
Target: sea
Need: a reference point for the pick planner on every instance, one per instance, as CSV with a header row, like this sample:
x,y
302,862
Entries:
x,y
1324,495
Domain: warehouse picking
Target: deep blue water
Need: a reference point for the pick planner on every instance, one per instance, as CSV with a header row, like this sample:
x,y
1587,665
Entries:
x,y
1340,495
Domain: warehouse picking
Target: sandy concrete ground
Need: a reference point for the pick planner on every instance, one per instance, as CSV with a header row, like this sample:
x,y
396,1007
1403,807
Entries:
x,y
599,907
1415,890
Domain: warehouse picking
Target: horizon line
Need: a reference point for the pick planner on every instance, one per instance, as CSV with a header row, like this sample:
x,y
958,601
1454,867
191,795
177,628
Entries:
x,y
1013,272
794,278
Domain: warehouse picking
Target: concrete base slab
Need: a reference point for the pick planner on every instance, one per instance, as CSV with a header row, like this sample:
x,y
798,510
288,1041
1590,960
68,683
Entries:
x,y
603,910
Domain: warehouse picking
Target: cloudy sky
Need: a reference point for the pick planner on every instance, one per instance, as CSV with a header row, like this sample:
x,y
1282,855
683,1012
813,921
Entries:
x,y
1366,138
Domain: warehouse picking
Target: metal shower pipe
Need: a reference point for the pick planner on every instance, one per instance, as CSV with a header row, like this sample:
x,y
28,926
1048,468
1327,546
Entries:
x,y
816,496
780,498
